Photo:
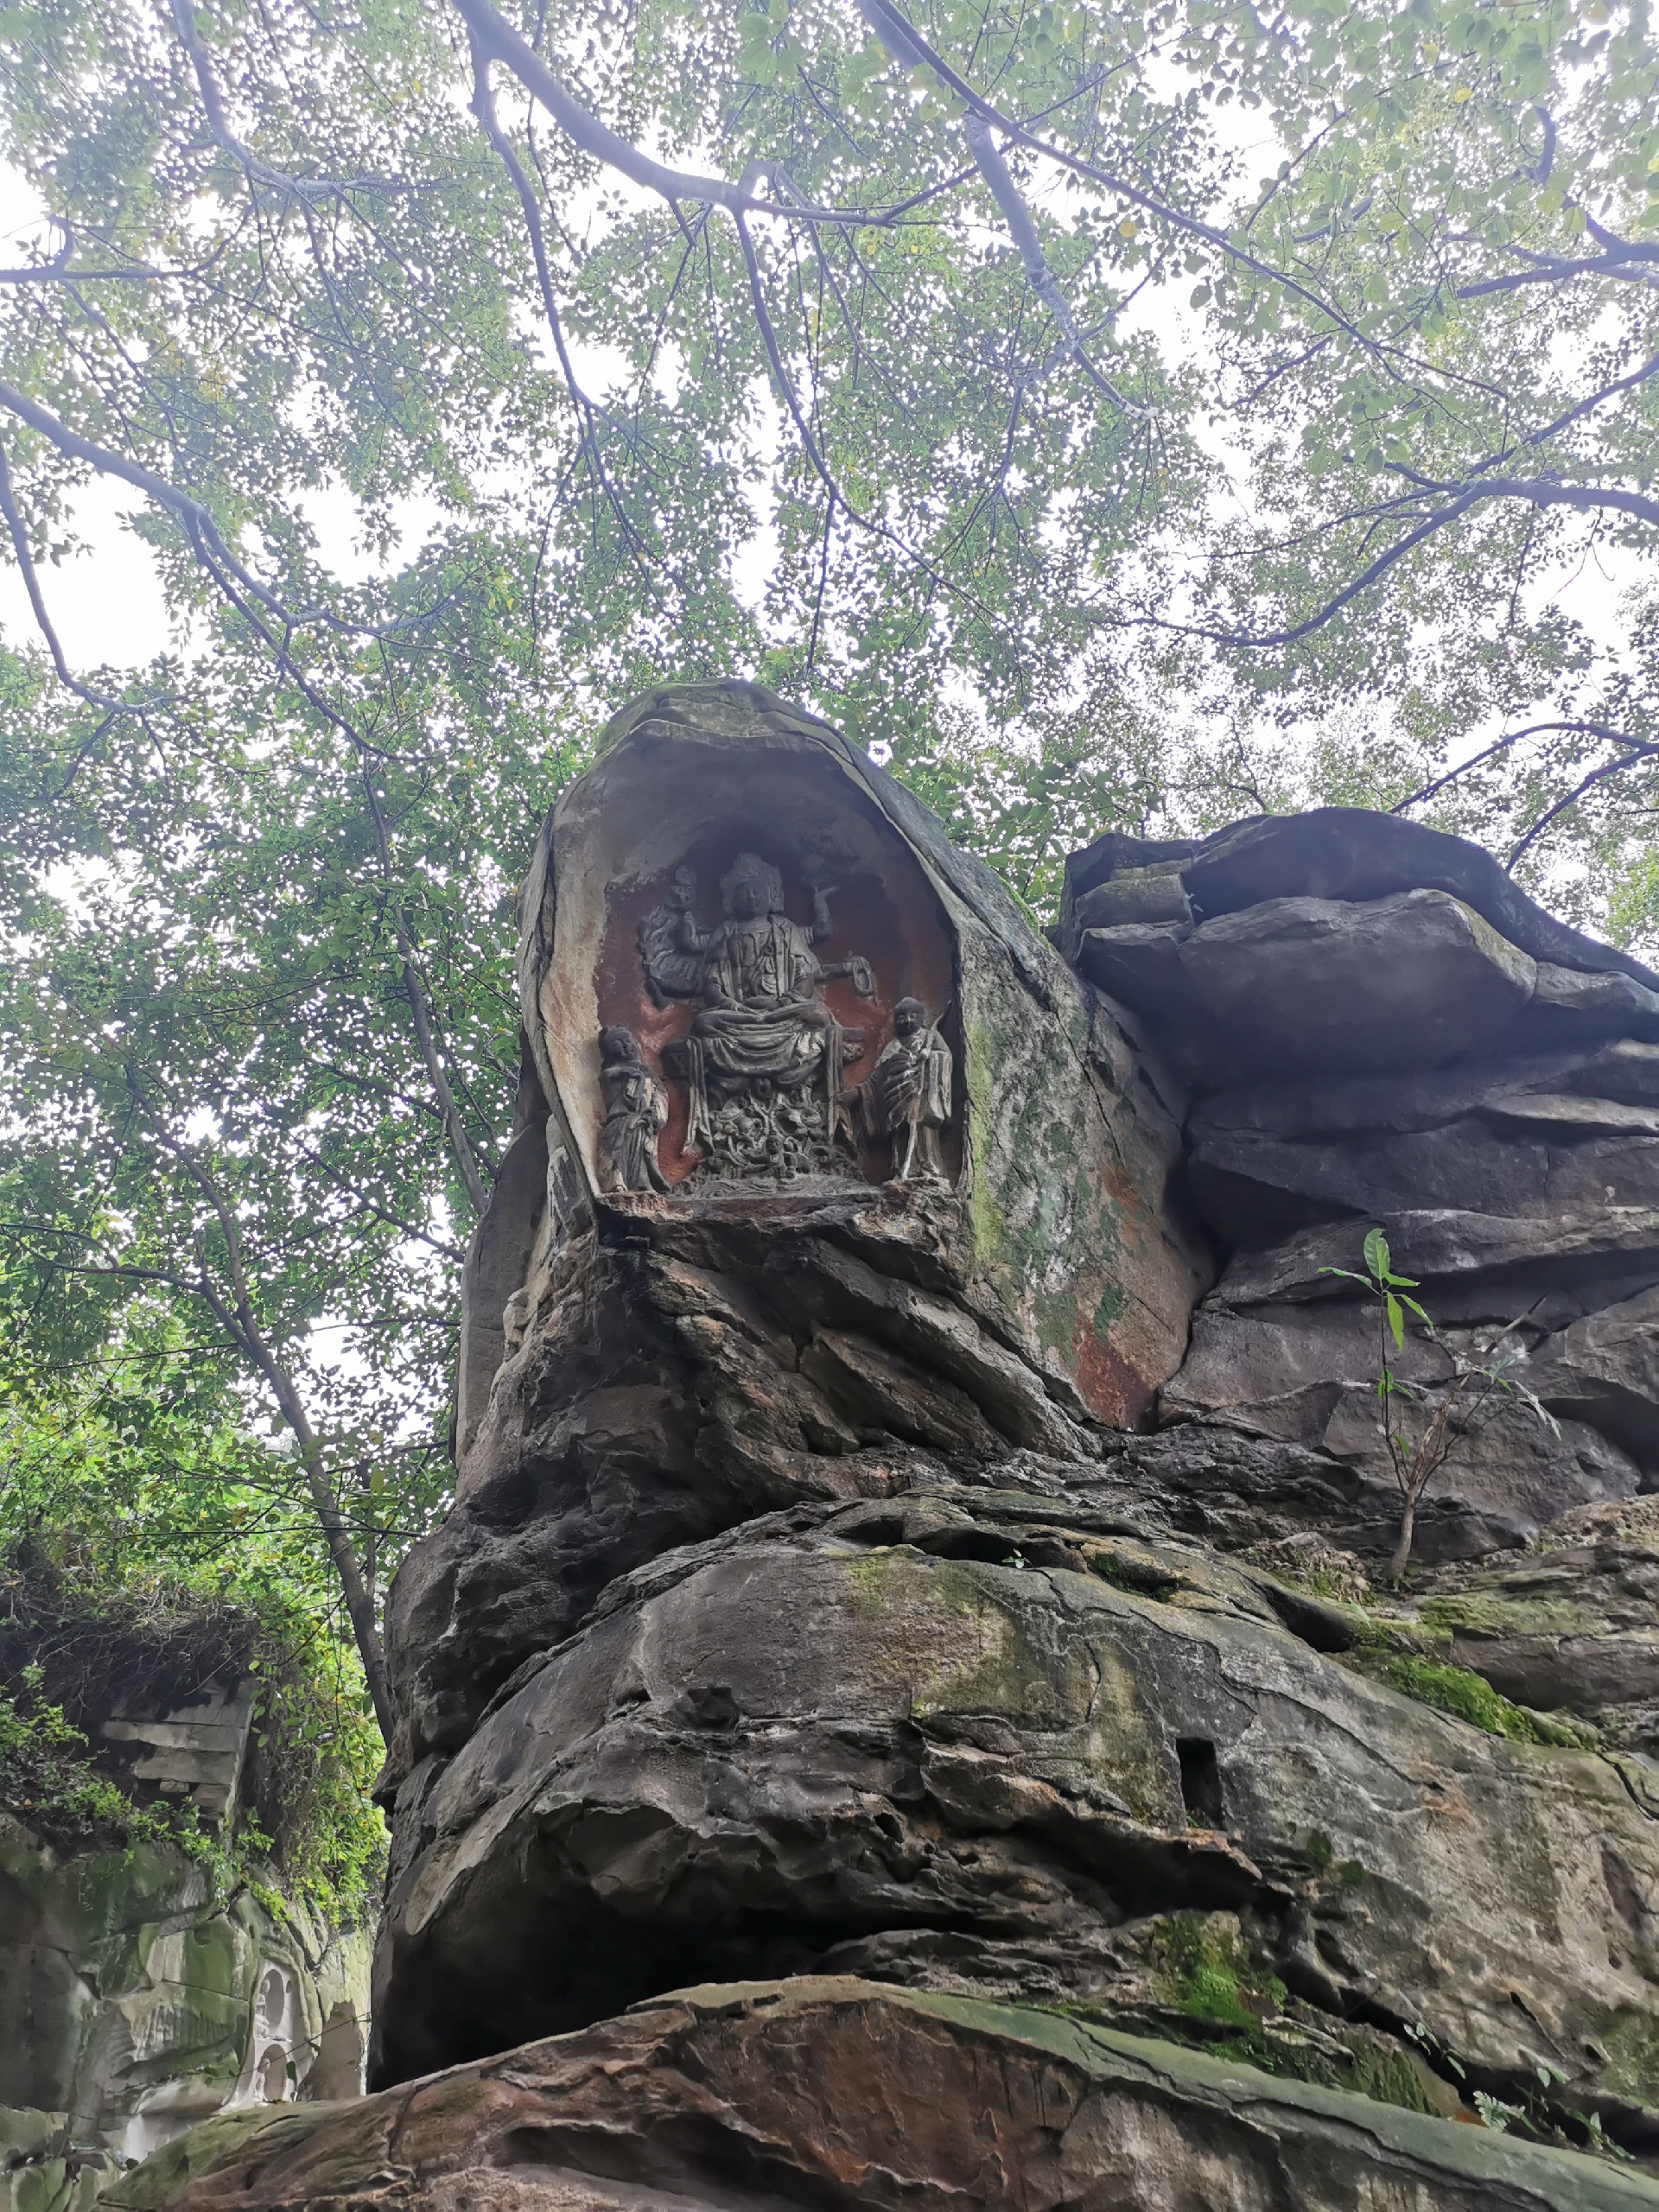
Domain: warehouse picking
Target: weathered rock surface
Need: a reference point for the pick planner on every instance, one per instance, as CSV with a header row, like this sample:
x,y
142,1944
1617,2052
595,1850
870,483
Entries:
x,y
1573,1626
860,1738
835,2092
1319,983
1345,853
134,2001
935,1607
1338,941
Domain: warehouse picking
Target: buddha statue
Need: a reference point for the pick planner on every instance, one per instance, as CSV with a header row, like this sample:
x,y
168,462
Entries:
x,y
764,1056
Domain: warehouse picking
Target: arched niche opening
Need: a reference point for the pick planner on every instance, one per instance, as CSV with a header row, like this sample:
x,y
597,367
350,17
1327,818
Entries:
x,y
667,813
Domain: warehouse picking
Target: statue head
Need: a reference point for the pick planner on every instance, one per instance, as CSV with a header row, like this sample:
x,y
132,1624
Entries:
x,y
751,888
908,1016
617,1047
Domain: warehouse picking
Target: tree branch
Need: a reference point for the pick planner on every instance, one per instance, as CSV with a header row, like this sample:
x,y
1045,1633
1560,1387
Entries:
x,y
483,105
1040,277
1596,776
1502,744
1540,492
43,620
255,171
189,509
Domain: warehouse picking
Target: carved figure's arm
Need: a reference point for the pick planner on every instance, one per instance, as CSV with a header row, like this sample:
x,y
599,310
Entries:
x,y
857,968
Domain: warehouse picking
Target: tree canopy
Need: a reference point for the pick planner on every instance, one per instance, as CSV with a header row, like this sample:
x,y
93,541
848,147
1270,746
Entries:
x,y
1131,419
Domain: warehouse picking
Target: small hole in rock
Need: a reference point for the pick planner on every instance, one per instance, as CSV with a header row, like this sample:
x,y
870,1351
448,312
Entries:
x,y
1200,1782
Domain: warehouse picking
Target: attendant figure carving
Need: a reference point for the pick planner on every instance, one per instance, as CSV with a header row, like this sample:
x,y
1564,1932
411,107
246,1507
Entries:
x,y
907,1097
764,1060
636,1108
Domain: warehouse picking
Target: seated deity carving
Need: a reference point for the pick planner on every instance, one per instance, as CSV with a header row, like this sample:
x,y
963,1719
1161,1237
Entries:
x,y
764,1060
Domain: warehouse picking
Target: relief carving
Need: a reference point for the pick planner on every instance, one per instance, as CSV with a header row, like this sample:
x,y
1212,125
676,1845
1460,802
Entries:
x,y
636,1108
907,1097
764,1060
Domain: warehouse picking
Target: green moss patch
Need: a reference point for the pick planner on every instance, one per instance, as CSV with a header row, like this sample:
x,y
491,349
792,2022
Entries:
x,y
1470,1697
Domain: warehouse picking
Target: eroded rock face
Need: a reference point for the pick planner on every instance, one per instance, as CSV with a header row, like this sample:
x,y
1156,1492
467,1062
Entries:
x,y
134,2001
952,1736
836,2093
643,1367
1382,1030
860,1567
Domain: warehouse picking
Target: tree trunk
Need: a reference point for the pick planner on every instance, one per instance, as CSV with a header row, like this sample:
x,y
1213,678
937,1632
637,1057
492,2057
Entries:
x,y
1402,1543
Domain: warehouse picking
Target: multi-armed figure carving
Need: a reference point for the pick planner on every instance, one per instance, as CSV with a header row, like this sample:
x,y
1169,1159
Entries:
x,y
764,1058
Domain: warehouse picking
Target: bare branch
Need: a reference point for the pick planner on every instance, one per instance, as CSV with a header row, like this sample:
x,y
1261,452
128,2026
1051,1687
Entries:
x,y
362,1202
236,1316
901,39
494,37
1600,775
1543,491
1503,744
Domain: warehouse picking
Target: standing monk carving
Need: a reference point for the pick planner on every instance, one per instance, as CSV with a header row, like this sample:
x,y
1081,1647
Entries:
x,y
635,1111
907,1097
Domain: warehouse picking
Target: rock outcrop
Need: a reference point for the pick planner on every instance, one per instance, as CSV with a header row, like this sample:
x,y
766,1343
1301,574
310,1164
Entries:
x,y
840,2093
134,2002
1378,1029
673,1364
912,1588
140,1992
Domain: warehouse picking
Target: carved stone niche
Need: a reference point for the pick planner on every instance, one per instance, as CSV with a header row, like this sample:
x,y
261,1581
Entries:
x,y
722,935
1036,1145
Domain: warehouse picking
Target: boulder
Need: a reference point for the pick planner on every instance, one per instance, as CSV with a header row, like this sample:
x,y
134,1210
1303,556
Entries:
x,y
1241,968
1603,1368
1319,984
1339,853
908,1579
1536,1155
1470,1266
841,2093
807,1742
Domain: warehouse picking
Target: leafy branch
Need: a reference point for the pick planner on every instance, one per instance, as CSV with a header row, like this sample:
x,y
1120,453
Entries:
x,y
1462,1405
